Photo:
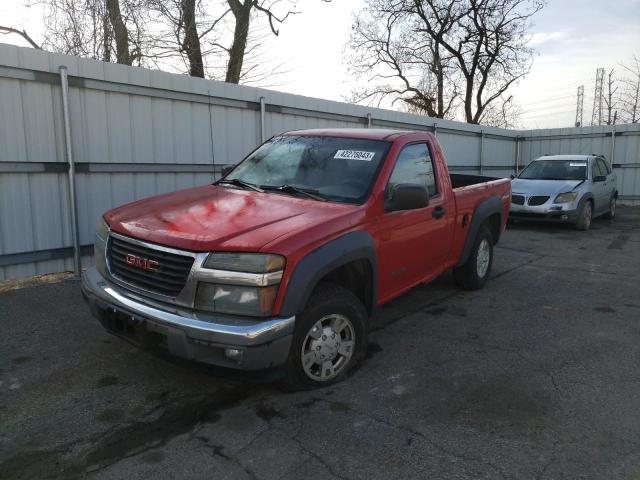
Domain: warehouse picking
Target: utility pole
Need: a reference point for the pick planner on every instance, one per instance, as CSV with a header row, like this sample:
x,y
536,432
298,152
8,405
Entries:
x,y
579,106
596,115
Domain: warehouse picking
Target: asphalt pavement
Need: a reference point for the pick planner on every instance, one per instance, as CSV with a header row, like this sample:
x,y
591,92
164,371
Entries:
x,y
535,376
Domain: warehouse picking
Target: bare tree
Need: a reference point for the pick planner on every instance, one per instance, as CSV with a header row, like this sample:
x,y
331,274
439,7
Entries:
x,y
447,58
630,96
93,28
611,99
23,33
242,12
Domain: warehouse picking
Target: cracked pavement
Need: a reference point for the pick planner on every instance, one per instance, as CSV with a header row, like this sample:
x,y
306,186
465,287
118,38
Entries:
x,y
535,376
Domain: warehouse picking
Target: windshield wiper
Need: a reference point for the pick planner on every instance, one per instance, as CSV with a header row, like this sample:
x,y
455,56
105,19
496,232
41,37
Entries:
x,y
293,189
240,183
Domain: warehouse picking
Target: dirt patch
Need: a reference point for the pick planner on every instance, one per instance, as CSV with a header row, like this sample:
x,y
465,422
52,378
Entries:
x,y
8,285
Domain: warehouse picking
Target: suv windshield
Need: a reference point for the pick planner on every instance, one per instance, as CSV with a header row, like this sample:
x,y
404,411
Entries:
x,y
338,169
555,170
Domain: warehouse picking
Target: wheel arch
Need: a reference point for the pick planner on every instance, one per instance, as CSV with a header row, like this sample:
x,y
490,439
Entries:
x,y
349,261
487,212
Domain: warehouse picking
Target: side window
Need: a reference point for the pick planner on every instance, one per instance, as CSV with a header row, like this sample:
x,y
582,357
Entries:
x,y
596,168
604,168
414,165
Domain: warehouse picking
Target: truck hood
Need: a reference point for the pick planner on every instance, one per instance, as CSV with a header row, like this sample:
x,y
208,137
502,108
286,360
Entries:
x,y
213,218
543,187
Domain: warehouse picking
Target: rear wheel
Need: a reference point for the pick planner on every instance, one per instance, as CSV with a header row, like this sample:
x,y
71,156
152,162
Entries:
x,y
329,340
611,214
585,216
475,272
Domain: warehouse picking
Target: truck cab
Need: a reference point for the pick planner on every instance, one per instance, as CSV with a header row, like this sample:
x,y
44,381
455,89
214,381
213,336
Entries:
x,y
284,261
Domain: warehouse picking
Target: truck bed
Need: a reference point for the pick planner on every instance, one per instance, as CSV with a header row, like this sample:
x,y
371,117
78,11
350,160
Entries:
x,y
459,180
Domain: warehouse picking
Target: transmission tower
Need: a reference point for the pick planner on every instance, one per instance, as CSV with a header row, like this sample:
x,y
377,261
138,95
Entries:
x,y
579,106
596,115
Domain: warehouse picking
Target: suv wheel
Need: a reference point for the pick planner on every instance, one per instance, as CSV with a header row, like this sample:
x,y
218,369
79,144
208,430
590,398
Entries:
x,y
611,214
584,216
329,340
475,273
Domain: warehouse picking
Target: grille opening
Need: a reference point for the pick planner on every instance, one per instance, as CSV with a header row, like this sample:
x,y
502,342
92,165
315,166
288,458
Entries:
x,y
171,270
517,199
536,200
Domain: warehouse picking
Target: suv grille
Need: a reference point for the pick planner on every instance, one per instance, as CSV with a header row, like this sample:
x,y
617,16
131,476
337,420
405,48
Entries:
x,y
537,200
169,274
517,199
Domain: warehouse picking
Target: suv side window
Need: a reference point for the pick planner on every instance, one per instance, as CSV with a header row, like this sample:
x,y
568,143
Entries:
x,y
604,167
596,168
414,165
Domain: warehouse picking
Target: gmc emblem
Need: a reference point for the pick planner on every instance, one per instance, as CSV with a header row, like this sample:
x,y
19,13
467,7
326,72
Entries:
x,y
141,263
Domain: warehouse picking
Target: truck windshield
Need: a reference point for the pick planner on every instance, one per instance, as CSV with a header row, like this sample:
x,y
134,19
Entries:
x,y
334,168
555,170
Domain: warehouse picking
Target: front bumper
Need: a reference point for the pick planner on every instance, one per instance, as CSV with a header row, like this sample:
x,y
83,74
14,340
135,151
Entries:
x,y
548,212
202,337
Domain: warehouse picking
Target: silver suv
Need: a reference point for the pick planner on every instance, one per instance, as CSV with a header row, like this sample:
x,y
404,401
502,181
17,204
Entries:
x,y
564,188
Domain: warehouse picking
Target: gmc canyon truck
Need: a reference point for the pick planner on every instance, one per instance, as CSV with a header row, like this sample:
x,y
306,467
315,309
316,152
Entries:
x,y
283,262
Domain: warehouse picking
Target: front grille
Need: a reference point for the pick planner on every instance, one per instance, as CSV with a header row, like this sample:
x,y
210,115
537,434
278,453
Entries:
x,y
517,199
171,272
537,200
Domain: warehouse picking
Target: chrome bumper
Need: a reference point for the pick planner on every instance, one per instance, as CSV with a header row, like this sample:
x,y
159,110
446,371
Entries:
x,y
188,334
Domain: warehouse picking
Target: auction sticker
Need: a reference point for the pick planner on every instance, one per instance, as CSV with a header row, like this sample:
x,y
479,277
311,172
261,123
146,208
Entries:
x,y
354,155
577,164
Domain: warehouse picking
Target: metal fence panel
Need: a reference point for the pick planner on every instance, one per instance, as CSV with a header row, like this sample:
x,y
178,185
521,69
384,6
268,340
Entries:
x,y
137,133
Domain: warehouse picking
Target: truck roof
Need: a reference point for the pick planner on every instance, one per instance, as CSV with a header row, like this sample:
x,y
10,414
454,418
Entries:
x,y
567,157
364,133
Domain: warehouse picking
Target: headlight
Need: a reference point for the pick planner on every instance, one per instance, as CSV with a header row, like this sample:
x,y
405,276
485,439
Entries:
x,y
102,229
239,283
245,262
102,233
566,197
236,300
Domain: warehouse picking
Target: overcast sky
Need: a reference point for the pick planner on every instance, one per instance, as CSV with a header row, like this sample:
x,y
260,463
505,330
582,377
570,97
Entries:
x,y
572,38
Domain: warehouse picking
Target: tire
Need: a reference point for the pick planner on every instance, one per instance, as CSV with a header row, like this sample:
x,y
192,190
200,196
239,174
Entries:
x,y
585,216
334,307
611,214
475,272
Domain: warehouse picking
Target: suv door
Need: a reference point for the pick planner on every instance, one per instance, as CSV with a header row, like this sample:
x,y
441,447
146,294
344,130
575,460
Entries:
x,y
414,244
601,190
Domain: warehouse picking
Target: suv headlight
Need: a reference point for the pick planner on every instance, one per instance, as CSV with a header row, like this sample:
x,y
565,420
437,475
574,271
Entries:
x,y
566,197
102,229
239,283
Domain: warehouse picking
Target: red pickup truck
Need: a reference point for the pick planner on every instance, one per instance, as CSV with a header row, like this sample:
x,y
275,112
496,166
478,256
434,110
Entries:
x,y
283,262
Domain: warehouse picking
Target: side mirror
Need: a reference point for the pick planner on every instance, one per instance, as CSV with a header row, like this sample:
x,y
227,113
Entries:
x,y
406,196
227,170
599,178
513,175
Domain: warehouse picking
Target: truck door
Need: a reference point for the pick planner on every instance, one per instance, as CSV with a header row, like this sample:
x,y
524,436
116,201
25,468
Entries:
x,y
414,244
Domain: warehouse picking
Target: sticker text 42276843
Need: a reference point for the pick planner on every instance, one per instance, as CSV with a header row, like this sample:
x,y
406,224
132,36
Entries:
x,y
354,155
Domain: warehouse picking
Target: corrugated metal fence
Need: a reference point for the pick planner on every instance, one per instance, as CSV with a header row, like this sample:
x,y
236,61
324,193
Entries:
x,y
136,133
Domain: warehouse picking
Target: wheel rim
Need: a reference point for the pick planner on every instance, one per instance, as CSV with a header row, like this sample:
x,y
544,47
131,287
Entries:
x,y
328,347
612,207
483,258
587,215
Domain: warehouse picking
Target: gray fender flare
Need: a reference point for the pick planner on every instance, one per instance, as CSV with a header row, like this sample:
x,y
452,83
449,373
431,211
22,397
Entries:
x,y
315,265
484,210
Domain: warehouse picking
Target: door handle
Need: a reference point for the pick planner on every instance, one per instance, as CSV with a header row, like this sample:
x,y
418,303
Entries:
x,y
438,212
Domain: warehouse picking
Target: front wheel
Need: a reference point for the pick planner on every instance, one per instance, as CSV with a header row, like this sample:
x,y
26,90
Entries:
x,y
585,216
475,272
329,340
